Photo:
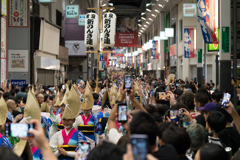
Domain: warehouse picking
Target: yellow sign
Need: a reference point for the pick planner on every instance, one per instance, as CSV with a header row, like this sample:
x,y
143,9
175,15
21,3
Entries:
x,y
4,7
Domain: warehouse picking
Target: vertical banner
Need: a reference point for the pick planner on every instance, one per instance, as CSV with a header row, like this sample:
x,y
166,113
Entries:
x,y
189,43
154,48
3,50
18,13
157,43
208,16
101,56
127,32
172,50
4,7
199,55
109,29
91,30
138,60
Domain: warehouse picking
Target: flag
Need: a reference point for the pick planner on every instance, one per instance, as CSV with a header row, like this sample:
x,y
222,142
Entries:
x,y
189,43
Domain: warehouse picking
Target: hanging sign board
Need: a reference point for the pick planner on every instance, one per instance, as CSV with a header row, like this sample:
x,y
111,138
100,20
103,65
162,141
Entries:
x,y
81,19
3,37
109,29
189,43
4,7
199,55
91,30
18,13
225,40
72,11
189,10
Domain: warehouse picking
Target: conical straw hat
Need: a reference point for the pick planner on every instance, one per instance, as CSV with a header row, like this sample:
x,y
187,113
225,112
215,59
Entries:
x,y
3,111
21,147
73,105
32,109
45,107
88,100
113,93
136,89
64,100
105,98
57,103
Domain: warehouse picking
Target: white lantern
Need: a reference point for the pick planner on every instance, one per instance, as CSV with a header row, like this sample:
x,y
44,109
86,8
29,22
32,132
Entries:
x,y
109,29
91,30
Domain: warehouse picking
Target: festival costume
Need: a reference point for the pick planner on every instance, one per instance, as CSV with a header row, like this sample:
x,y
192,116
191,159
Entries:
x,y
68,140
90,125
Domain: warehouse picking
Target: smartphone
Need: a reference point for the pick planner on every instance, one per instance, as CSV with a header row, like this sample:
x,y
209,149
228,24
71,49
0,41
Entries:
x,y
128,82
139,146
18,129
226,99
83,151
161,96
137,98
151,92
122,112
174,116
8,83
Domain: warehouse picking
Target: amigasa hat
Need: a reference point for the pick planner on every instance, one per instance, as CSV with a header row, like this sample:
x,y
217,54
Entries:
x,y
73,105
3,111
88,100
57,103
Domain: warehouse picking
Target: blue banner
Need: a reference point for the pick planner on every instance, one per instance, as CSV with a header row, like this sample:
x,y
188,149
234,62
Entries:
x,y
208,16
154,49
19,82
138,60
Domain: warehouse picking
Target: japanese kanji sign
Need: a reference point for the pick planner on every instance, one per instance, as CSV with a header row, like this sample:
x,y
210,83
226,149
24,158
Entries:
x,y
109,29
18,61
91,30
3,37
18,13
72,11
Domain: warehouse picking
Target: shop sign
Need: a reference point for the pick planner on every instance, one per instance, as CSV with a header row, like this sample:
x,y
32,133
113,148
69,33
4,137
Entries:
x,y
76,48
3,71
91,30
189,10
109,29
214,47
3,37
172,50
4,7
20,82
81,19
18,13
72,11
225,40
18,61
63,55
149,66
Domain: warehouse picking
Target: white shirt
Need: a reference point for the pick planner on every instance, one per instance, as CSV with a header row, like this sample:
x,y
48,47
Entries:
x,y
56,140
114,135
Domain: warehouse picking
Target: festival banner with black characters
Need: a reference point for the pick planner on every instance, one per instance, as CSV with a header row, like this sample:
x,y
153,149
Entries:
x,y
208,16
109,29
18,13
127,32
189,43
91,30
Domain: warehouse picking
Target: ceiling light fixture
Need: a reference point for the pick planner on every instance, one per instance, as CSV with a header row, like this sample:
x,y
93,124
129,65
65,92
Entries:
x,y
153,15
110,4
160,5
104,10
139,25
139,20
142,13
148,10
147,22
148,4
145,25
150,19
104,5
143,18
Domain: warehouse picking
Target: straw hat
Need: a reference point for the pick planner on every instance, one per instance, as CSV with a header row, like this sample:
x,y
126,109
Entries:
x,y
73,105
106,100
32,110
64,100
170,78
23,147
58,100
88,100
113,93
3,111
136,88
45,107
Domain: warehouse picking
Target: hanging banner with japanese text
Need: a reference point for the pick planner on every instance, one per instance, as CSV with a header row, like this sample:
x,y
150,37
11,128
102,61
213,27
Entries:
x,y
208,16
130,61
18,13
127,32
154,48
138,60
189,43
91,30
109,29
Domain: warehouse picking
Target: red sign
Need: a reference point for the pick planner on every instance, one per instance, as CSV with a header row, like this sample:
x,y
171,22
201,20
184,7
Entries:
x,y
157,49
172,50
143,48
126,39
